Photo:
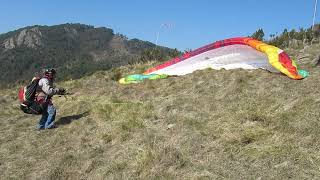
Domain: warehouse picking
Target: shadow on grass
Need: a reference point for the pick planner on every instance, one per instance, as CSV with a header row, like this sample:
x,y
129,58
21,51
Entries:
x,y
68,119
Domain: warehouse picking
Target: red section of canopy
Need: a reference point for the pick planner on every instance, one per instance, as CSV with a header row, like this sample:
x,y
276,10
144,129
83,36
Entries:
x,y
285,61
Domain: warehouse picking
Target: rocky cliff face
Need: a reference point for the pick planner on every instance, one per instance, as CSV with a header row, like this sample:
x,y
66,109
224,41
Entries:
x,y
116,48
31,38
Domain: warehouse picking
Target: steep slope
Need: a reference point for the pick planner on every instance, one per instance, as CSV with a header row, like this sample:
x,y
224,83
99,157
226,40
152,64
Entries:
x,y
210,124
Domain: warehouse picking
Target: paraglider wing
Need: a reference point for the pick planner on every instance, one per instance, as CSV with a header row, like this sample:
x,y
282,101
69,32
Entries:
x,y
228,57
246,53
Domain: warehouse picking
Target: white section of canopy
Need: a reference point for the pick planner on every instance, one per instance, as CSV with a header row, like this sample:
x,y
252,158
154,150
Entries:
x,y
227,57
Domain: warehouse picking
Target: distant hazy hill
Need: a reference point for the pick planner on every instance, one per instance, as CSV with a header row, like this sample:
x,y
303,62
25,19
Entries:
x,y
74,49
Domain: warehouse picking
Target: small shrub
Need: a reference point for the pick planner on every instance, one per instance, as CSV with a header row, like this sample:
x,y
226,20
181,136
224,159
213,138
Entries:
x,y
116,74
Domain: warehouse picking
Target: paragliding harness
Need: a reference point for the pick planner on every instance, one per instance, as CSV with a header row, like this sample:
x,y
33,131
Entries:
x,y
27,98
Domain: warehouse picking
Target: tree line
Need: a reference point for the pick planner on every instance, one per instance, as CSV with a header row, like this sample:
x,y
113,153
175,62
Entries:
x,y
282,40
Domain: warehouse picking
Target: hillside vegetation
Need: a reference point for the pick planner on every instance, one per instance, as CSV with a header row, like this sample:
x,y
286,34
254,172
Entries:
x,y
237,124
76,50
210,124
302,44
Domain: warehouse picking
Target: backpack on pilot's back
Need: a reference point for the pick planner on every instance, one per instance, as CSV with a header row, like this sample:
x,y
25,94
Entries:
x,y
27,95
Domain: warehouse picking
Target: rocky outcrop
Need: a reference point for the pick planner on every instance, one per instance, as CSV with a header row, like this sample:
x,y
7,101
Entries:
x,y
72,32
31,38
293,43
116,48
316,61
9,43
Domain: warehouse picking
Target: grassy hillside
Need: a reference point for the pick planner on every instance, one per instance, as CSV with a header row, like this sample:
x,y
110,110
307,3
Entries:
x,y
207,125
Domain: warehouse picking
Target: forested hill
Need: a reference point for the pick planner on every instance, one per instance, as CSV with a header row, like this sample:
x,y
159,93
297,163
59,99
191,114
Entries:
x,y
74,49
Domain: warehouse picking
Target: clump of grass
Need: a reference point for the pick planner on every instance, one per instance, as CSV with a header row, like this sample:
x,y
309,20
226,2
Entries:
x,y
115,169
107,137
132,124
144,159
252,135
103,111
258,117
64,167
116,74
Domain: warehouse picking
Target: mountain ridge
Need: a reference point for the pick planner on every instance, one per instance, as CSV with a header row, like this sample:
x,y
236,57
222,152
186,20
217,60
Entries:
x,y
74,49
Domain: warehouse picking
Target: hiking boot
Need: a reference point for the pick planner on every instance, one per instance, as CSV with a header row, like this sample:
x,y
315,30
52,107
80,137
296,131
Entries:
x,y
39,128
53,127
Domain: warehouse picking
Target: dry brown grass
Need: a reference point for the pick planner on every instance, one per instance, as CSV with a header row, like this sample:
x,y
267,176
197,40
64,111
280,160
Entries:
x,y
208,125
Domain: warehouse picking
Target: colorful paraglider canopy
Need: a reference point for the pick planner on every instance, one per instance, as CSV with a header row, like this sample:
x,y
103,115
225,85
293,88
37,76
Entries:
x,y
246,53
136,78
